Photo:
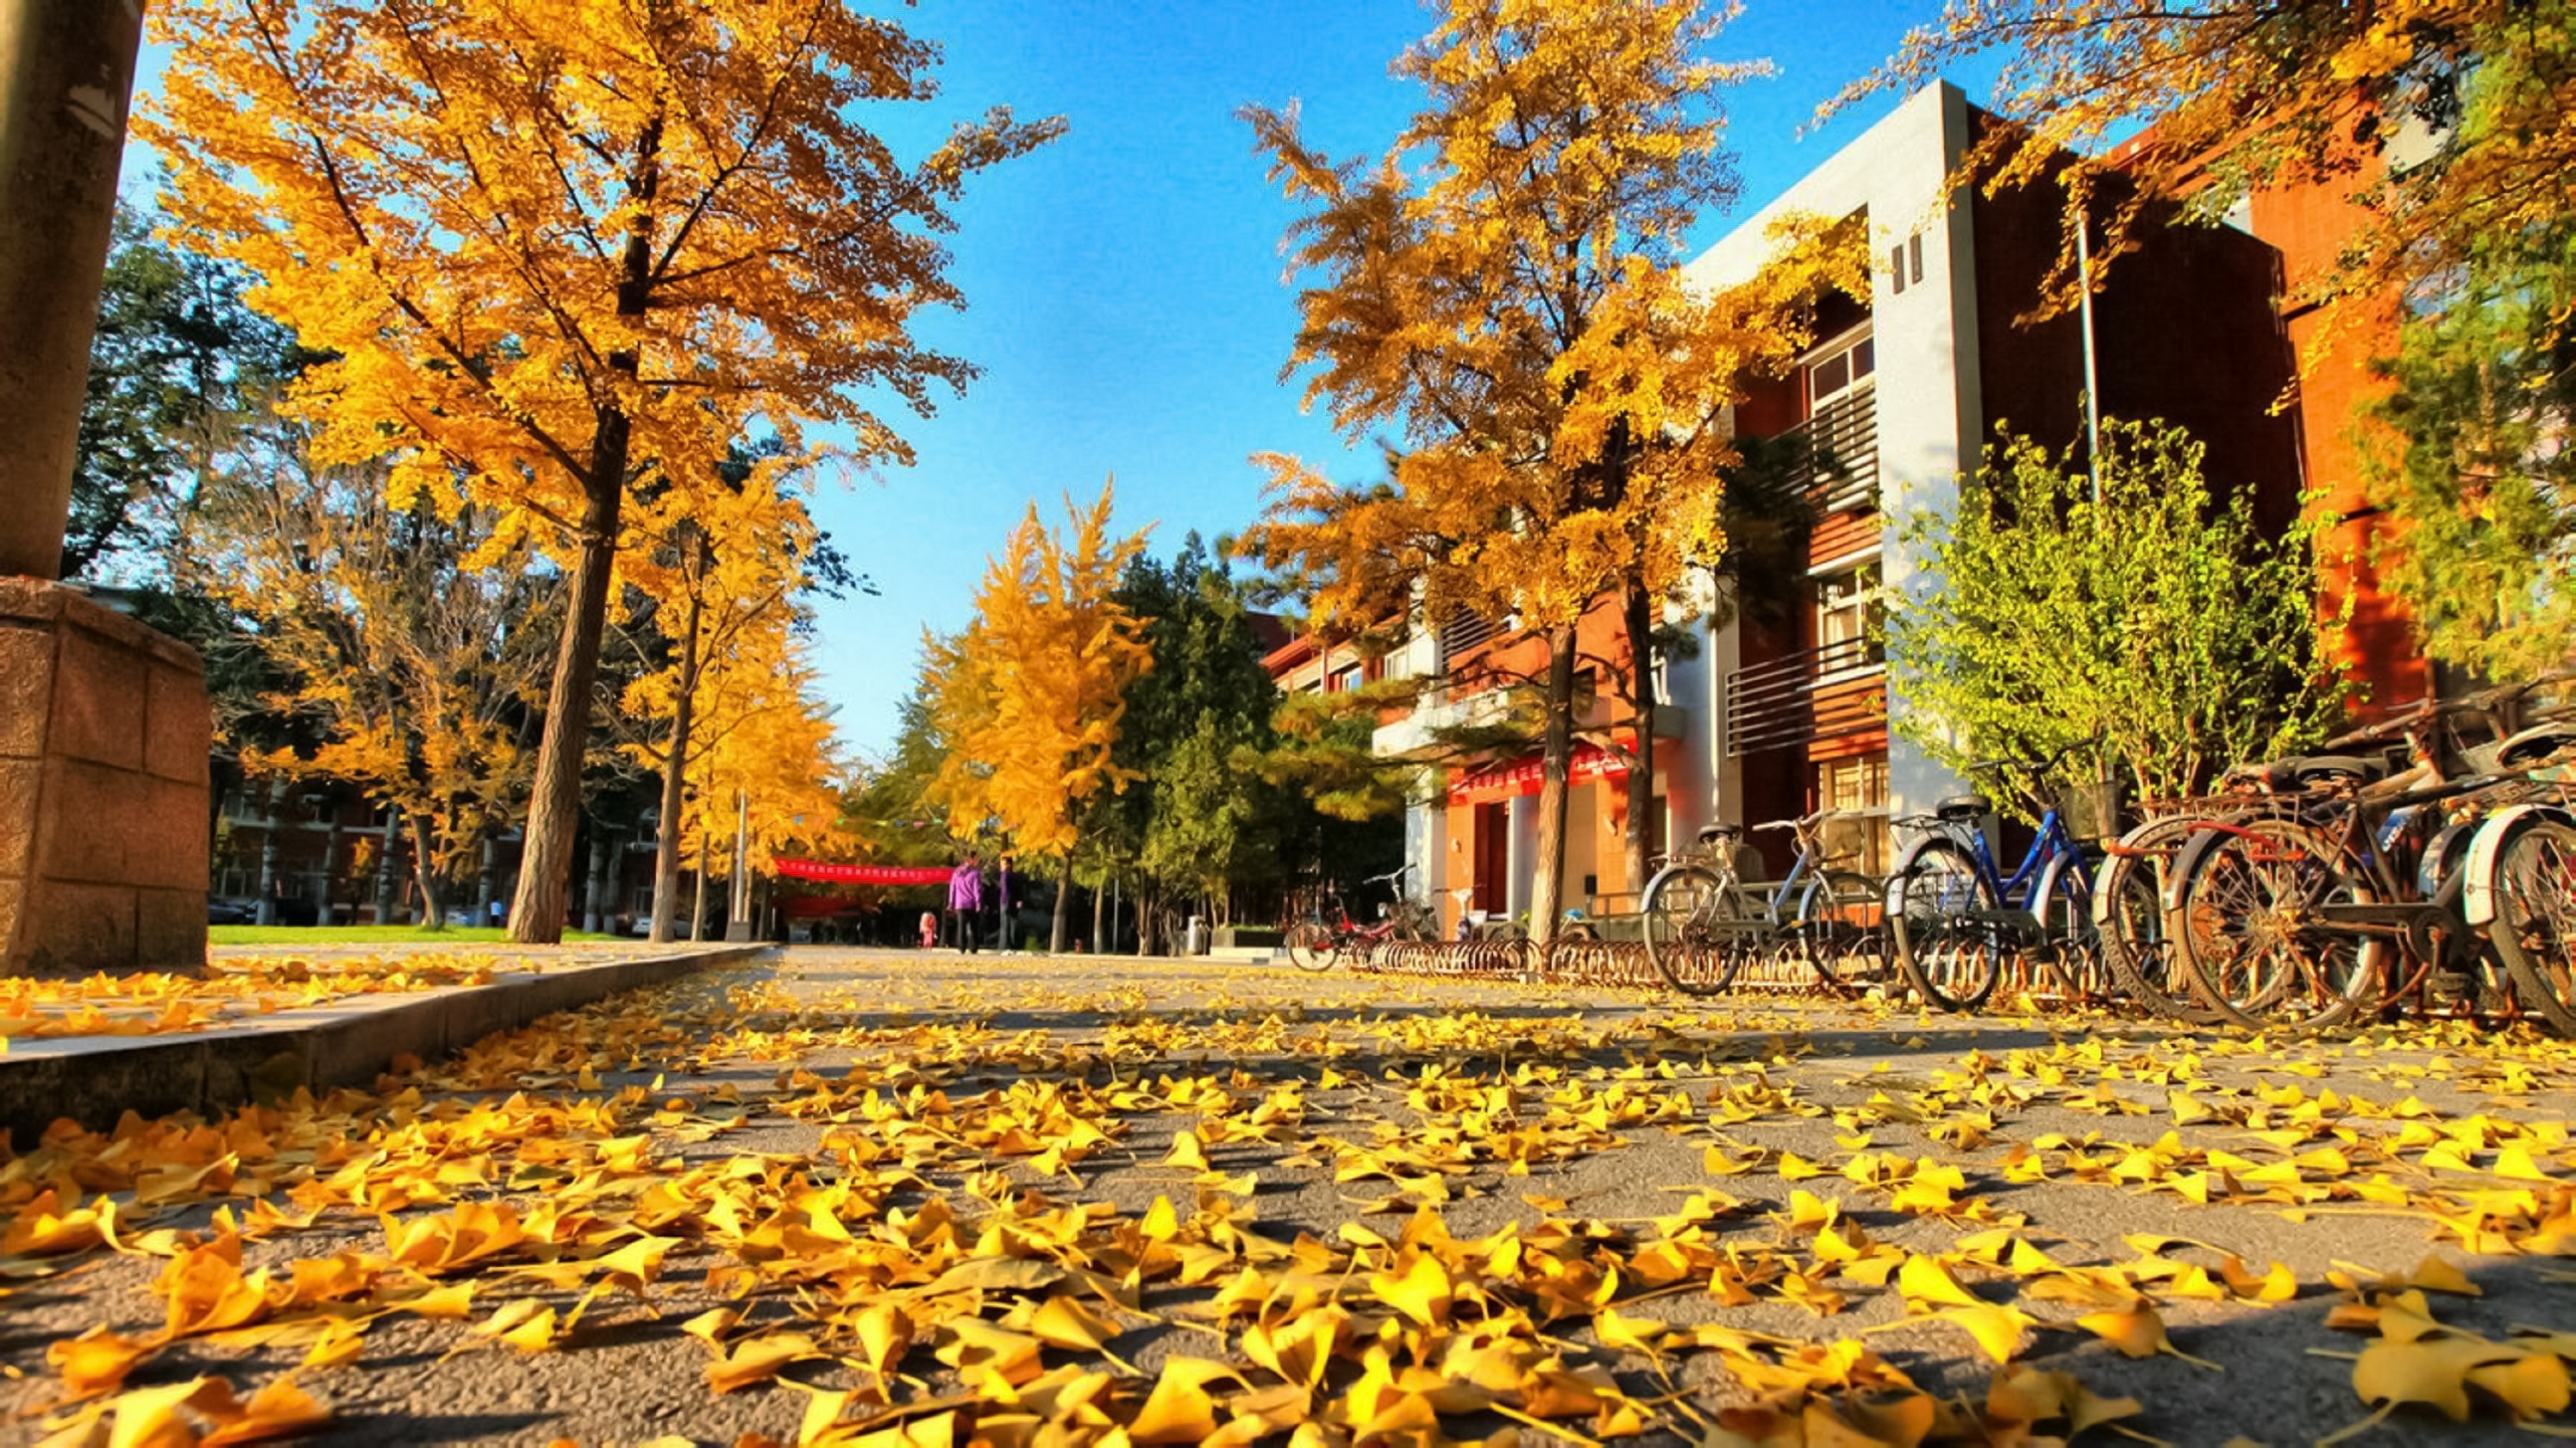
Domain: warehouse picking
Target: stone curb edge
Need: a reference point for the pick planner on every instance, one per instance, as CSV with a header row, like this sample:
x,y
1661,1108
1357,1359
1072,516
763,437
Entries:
x,y
95,1080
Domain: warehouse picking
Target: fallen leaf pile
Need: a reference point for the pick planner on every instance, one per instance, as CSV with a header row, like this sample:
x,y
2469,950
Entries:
x,y
1014,1215
230,988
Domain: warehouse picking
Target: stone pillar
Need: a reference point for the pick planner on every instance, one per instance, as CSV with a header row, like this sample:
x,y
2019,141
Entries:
x,y
104,736
66,74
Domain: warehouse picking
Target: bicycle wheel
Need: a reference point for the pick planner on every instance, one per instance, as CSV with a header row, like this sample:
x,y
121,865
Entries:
x,y
1682,906
1952,958
1313,945
2129,923
2069,946
2248,927
1842,930
2535,926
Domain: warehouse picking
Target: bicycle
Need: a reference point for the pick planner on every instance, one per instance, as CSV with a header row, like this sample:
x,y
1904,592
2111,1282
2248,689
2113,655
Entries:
x,y
2351,892
1700,925
1947,902
2519,887
1320,943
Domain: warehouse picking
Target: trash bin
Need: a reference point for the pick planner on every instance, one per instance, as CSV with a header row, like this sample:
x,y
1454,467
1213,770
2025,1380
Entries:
x,y
1194,939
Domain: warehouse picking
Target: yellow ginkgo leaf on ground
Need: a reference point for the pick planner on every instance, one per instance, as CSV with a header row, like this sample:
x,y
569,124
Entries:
x,y
885,1335
2433,1371
95,1362
1628,1334
1186,1152
1180,1409
1421,1291
1997,1329
758,1359
2137,1330
2532,1385
1925,1279
278,1410
1064,1322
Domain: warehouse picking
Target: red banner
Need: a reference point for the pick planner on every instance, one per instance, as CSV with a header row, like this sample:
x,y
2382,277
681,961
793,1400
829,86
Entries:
x,y
1590,762
860,874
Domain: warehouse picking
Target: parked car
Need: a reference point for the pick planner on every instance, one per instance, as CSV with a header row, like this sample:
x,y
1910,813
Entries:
x,y
220,911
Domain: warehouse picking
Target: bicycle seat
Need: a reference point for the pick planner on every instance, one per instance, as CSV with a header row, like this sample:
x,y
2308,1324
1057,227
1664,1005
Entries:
x,y
1966,809
2535,745
1710,834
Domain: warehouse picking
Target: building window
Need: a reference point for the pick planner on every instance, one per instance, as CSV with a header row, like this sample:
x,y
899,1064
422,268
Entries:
x,y
1838,367
1345,679
1847,615
1856,791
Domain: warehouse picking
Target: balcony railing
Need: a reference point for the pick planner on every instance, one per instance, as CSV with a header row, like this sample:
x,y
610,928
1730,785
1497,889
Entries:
x,y
1838,452
1463,633
1799,697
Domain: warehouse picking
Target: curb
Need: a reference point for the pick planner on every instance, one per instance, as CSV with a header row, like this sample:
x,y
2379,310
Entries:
x,y
95,1080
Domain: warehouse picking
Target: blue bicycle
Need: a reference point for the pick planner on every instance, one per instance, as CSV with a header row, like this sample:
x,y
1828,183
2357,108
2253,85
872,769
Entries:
x,y
1957,919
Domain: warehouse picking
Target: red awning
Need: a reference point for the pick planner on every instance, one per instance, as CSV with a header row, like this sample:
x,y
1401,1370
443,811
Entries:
x,y
1522,776
860,874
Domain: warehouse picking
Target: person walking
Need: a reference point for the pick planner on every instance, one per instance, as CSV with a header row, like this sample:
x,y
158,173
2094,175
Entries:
x,y
966,902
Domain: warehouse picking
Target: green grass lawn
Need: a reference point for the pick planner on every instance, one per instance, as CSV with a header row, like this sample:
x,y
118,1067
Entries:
x,y
368,935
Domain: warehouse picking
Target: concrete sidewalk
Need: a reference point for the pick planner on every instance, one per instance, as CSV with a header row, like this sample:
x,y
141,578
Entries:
x,y
348,1042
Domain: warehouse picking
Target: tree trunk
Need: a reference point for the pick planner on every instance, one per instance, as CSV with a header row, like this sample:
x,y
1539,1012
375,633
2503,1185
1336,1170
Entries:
x,y
1099,903
554,810
385,867
1063,898
270,828
1547,894
487,879
698,894
433,901
595,885
330,861
666,852
1641,771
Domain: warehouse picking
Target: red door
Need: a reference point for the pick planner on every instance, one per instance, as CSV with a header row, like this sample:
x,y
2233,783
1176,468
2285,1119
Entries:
x,y
1493,855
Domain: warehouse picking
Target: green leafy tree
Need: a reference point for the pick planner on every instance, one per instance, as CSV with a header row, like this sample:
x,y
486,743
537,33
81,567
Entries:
x,y
2475,464
1197,825
2150,630
177,366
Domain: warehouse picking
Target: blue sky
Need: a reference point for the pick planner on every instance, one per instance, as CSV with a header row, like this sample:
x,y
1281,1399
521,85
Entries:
x,y
1124,285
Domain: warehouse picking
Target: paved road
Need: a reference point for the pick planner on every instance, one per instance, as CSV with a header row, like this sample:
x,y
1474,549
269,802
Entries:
x,y
1616,1108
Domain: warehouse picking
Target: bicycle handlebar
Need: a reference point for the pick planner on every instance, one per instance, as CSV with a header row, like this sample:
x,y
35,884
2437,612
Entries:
x,y
2042,768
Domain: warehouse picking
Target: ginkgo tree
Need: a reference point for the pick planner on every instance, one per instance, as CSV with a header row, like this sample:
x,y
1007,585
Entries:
x,y
409,644
725,613
764,754
1028,698
1502,290
561,248
2444,122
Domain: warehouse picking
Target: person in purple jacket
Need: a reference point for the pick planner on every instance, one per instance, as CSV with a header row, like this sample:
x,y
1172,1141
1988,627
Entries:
x,y
966,901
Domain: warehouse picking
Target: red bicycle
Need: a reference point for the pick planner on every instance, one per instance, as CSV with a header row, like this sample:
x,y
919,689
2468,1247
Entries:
x,y
1321,943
